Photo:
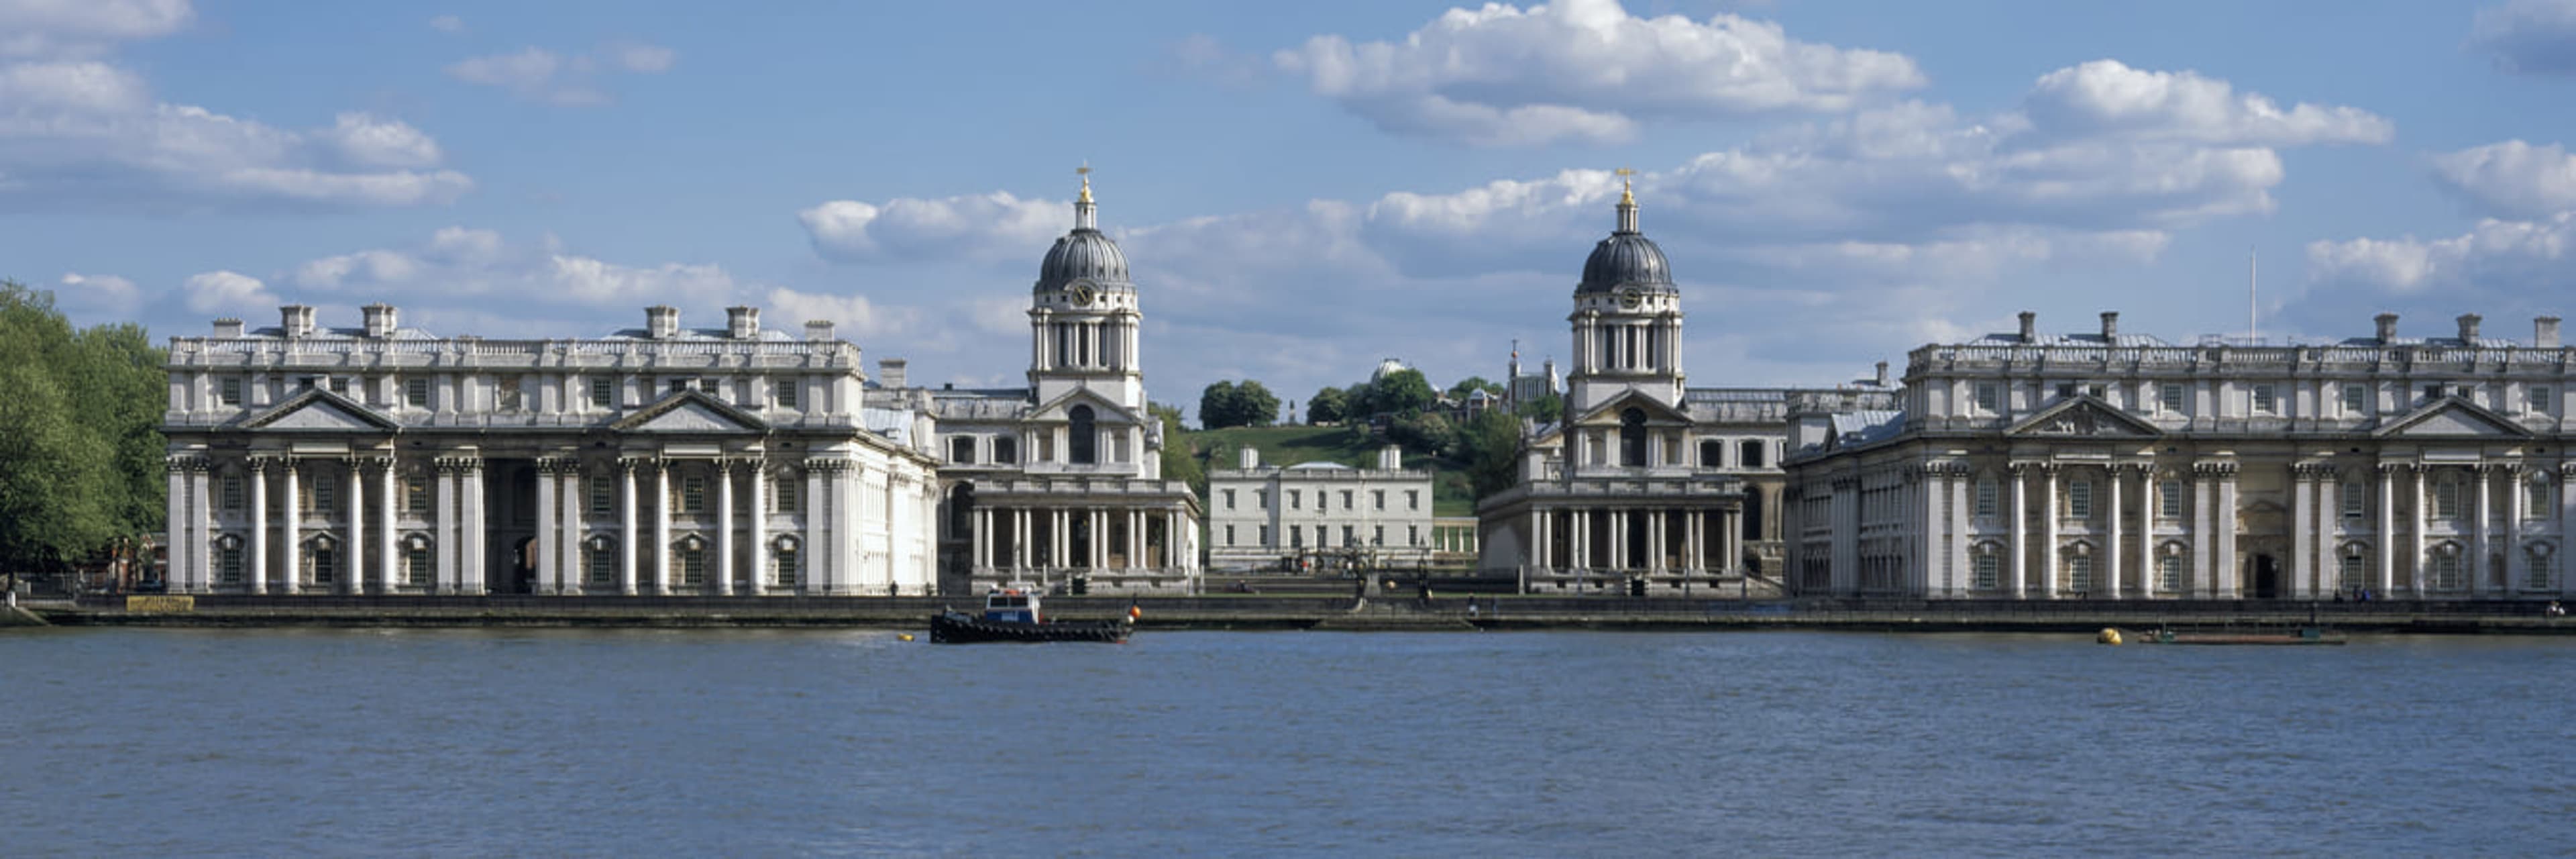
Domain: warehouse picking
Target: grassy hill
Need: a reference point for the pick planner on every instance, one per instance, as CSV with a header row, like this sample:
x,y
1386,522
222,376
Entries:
x,y
1352,446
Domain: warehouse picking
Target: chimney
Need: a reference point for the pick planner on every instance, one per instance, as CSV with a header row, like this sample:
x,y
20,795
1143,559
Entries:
x,y
2544,332
2469,328
742,323
1390,458
380,320
818,330
2387,327
661,322
1248,458
2029,326
296,320
890,373
1882,374
2110,324
228,328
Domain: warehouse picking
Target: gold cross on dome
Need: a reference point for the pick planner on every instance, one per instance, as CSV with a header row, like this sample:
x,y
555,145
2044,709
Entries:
x,y
1084,171
1627,193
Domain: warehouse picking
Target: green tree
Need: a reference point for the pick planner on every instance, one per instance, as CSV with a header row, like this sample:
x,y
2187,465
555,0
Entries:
x,y
1546,409
80,448
1216,405
1423,431
1180,459
1255,405
1473,384
1327,406
1491,446
1402,392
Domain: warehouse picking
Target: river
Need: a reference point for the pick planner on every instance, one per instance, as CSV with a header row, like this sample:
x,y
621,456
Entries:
x,y
760,743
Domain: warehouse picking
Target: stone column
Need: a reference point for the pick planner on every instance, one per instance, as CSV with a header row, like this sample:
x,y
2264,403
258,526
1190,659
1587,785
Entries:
x,y
2048,512
185,532
661,547
258,578
626,534
474,560
2566,569
548,558
762,554
1961,566
2415,536
1019,542
2204,535
293,582
444,528
2304,527
574,500
2516,565
724,527
2479,585
2384,543
2019,560
818,547
2225,520
355,581
2112,545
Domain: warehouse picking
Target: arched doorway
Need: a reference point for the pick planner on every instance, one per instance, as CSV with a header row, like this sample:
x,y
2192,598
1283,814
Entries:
x,y
2262,577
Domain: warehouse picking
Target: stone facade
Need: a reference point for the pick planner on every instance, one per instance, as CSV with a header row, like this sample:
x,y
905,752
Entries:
x,y
661,460
2110,466
1310,515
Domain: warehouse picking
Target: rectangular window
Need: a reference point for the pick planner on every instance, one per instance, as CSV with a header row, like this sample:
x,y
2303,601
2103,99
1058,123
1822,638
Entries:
x,y
1261,501
340,385
1988,575
789,496
2535,500
1265,535
2169,574
2539,397
2446,499
683,383
1990,397
2264,404
693,567
1378,538
2065,390
603,567
2079,499
1413,499
418,567
2446,572
790,567
1296,500
786,393
2170,396
416,393
416,496
1349,538
1006,450
1229,535
229,569
2079,573
2349,573
603,392
1296,537
2356,501
693,495
1229,499
2169,499
603,495
325,565
232,493
2356,400
1413,535
229,391
2432,392
1378,497
325,491
1988,503
1346,500
961,450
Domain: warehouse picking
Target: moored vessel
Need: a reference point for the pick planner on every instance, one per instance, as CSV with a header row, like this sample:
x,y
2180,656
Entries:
x,y
1014,614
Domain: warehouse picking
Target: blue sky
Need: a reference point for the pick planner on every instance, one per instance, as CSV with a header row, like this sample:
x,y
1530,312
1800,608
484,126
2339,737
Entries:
x,y
1303,189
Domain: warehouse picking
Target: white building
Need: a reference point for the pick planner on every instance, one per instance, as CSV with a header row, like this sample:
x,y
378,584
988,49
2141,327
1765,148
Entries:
x,y
2104,465
1266,517
1062,481
660,460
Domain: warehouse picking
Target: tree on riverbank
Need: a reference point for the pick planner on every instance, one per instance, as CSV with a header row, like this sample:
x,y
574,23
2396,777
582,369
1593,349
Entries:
x,y
80,440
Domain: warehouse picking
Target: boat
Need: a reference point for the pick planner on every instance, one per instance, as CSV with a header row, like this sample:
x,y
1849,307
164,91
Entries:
x,y
2167,635
1014,614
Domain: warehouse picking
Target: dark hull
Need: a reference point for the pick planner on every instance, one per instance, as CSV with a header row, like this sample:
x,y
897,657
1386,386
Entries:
x,y
2292,638
965,629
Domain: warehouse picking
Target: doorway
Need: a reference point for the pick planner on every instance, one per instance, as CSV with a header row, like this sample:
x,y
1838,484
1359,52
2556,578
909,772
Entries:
x,y
2265,577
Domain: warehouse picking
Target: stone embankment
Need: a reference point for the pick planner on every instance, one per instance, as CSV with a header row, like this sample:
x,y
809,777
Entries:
x,y
1321,612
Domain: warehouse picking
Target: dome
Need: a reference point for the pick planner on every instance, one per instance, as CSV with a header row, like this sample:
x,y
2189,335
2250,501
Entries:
x,y
1085,253
1627,257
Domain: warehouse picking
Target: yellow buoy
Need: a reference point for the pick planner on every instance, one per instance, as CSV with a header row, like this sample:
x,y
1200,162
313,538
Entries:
x,y
906,636
2107,636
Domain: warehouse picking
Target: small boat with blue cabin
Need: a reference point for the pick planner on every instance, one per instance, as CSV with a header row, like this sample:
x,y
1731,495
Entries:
x,y
1014,614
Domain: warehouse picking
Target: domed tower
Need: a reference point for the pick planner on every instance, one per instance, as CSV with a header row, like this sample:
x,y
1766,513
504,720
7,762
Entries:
x,y
1627,319
1083,316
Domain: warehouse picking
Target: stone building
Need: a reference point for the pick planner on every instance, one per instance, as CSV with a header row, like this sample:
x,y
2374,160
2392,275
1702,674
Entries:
x,y
662,460
1062,481
1266,517
2104,465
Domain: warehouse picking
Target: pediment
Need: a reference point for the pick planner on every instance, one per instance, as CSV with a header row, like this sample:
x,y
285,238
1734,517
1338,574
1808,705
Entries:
x,y
320,411
1103,410
2452,418
1656,412
2083,416
691,413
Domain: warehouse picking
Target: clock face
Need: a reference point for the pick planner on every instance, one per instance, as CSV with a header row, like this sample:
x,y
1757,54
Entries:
x,y
1082,295
1628,298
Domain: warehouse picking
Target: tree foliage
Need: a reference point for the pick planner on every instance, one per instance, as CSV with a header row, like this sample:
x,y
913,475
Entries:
x,y
1473,384
1329,405
1180,462
1491,445
1400,393
1226,404
80,445
1546,409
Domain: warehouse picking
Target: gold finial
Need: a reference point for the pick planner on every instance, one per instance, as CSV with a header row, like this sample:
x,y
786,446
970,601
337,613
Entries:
x,y
1627,190
1085,172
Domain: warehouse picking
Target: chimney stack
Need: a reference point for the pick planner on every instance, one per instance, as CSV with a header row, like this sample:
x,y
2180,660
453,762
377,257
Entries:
x,y
228,328
2110,324
1248,458
2387,327
2029,327
818,329
1882,374
742,323
661,322
1390,458
296,320
890,373
2544,332
2469,329
380,320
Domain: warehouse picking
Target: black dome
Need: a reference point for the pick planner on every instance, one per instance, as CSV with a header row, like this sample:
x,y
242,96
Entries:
x,y
1626,257
1082,254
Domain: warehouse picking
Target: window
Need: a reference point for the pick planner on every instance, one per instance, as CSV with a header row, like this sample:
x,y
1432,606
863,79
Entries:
x,y
961,450
1261,500
693,495
1712,454
1296,537
1296,500
691,558
1265,535
416,393
2169,396
2446,499
2446,569
509,393
2079,499
786,393
1006,450
683,383
2539,397
1990,397
228,565
2349,572
232,493
229,391
1085,436
1229,535
1988,502
2356,400
325,490
1229,499
2169,574
603,495
416,496
2079,573
790,566
323,563
2535,500
1988,575
2169,499
1378,537
417,565
1413,499
2356,503
1346,500
603,566
2432,392
340,385
603,392
1632,437
1348,537
1378,498
2264,404
1749,453
1413,535
787,495
2065,390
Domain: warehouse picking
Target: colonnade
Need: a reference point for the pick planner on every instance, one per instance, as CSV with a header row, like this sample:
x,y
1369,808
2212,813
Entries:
x,y
1563,539
1031,538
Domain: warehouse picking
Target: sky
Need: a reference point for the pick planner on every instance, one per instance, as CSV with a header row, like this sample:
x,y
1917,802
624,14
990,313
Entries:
x,y
1302,189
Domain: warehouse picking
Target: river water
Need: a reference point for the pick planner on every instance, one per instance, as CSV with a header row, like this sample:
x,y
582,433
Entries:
x,y
758,743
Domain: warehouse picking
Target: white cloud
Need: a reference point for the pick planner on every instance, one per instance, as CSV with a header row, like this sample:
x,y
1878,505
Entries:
x,y
99,296
2528,36
79,28
983,226
447,24
537,74
2106,96
2496,256
2512,178
854,315
370,142
1585,70
226,292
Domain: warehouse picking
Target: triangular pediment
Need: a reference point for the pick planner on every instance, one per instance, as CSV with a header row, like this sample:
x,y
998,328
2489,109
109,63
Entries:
x,y
1103,410
1656,412
691,413
2083,416
318,410
2452,417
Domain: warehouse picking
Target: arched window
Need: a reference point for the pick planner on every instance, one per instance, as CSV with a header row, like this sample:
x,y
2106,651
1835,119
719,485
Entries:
x,y
1085,441
1748,453
690,555
1632,437
321,560
1712,454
